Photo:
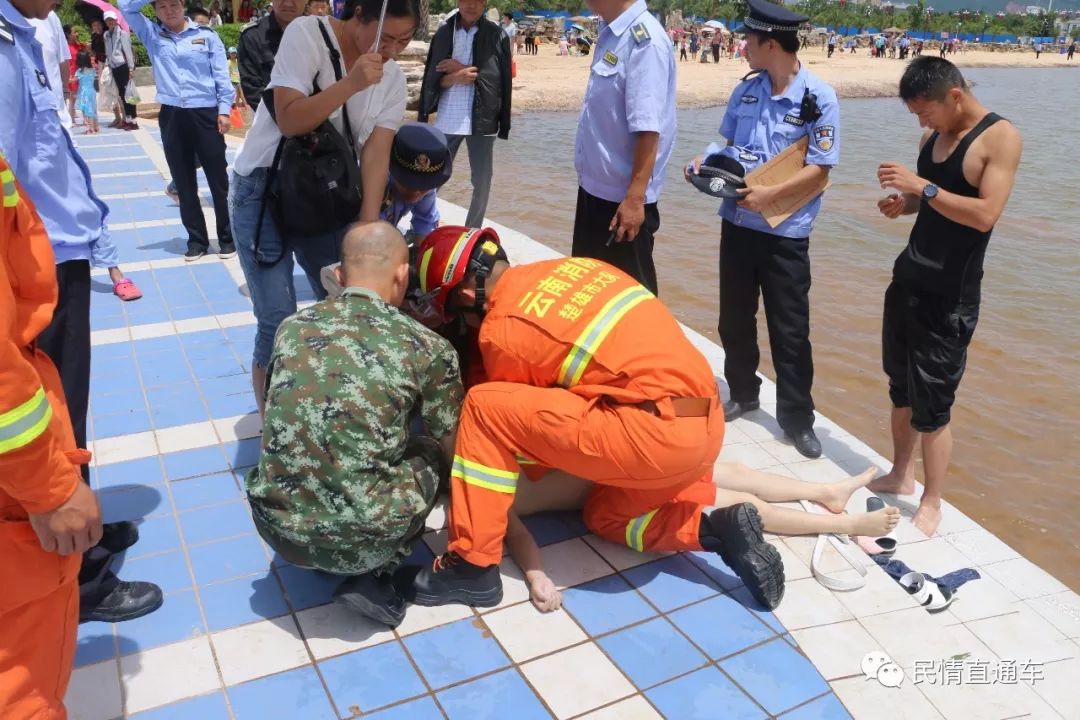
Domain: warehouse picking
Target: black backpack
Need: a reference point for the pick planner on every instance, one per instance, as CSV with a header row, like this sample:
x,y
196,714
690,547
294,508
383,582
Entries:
x,y
313,186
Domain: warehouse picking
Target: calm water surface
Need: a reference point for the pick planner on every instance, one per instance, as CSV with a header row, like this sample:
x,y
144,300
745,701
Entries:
x,y
1016,421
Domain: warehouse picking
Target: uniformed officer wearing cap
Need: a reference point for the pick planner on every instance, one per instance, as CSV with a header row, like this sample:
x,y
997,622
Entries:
x,y
625,135
767,112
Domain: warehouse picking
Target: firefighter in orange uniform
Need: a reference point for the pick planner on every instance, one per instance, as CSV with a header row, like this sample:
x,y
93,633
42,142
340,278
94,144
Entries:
x,y
48,516
587,372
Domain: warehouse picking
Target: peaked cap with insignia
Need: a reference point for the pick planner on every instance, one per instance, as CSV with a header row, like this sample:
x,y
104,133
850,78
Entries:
x,y
420,158
767,17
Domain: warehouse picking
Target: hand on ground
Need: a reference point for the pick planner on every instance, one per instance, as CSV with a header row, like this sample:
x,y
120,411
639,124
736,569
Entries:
x,y
543,593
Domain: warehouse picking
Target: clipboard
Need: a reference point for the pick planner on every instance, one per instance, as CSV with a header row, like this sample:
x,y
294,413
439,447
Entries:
x,y
785,164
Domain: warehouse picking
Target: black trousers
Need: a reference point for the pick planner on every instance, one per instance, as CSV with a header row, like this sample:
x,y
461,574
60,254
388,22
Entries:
x,y
122,75
591,234
778,267
188,134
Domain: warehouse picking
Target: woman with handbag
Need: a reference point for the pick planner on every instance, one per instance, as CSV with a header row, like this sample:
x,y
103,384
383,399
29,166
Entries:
x,y
317,155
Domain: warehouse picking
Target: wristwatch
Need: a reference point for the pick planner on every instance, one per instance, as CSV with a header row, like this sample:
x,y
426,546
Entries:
x,y
930,191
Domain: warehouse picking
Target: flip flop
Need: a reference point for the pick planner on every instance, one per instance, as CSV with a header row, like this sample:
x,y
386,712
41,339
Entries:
x,y
884,545
930,595
126,290
842,544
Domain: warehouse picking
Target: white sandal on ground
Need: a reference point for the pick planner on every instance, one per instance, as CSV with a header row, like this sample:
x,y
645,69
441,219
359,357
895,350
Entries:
x,y
929,594
842,544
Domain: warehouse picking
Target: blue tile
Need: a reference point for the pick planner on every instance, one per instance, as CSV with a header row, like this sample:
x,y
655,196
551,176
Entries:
x,y
244,453
95,643
107,426
190,463
226,365
228,385
111,353
206,490
721,626
704,695
216,522
144,471
169,570
242,601
776,675
548,528
106,322
116,376
455,652
224,406
117,403
133,502
228,559
493,698
155,535
205,707
307,588
177,619
188,312
652,652
671,582
422,709
164,344
827,707
286,696
371,678
606,604
744,598
715,568
203,337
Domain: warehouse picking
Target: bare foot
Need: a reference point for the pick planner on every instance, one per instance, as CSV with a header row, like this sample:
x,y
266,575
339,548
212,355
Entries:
x,y
875,524
890,483
838,493
543,593
927,518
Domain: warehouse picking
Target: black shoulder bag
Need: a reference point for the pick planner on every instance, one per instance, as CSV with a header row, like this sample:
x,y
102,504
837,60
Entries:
x,y
313,186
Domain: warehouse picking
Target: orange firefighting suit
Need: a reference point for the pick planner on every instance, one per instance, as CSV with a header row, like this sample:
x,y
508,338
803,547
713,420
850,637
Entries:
x,y
39,471
588,373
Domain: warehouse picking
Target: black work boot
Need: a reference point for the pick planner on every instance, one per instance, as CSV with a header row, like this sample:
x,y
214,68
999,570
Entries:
x,y
116,601
735,533
374,597
118,536
451,579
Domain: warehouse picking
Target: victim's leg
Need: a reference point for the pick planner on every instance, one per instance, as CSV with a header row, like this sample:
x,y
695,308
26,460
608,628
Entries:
x,y
785,521
779,488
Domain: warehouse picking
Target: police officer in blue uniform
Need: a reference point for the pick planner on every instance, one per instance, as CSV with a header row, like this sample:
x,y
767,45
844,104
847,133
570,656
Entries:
x,y
625,136
196,94
774,107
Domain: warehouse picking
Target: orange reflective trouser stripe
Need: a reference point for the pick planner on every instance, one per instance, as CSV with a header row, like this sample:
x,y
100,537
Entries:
x,y
641,465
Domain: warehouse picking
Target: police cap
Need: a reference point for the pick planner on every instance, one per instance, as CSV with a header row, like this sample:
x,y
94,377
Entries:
x,y
766,17
419,157
720,176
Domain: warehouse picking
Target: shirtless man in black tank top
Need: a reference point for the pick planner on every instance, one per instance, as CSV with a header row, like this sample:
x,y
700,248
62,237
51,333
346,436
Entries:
x,y
968,158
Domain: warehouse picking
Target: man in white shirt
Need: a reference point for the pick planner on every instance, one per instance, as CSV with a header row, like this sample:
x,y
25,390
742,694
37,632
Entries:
x,y
54,51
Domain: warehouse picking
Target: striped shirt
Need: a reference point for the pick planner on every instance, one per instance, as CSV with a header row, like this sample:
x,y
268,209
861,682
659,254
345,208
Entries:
x,y
456,102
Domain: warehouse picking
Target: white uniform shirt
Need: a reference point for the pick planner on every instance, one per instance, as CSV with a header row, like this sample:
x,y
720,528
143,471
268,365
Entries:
x,y
54,50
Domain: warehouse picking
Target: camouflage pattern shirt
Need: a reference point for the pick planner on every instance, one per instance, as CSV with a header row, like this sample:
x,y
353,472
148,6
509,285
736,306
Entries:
x,y
345,378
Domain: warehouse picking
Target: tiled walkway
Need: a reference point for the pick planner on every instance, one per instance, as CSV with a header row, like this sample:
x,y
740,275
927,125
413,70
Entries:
x,y
243,635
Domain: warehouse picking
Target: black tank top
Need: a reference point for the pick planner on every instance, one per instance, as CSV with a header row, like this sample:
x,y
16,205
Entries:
x,y
942,256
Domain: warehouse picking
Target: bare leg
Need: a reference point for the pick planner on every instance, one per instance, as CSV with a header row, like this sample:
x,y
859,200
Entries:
x,y
115,274
779,488
901,479
796,522
258,384
937,449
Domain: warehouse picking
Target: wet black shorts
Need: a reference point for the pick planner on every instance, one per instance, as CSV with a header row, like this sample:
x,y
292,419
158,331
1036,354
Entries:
x,y
924,341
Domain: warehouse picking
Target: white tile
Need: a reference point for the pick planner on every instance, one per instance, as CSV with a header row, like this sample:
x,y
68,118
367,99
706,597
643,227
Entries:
x,y
935,557
965,702
573,562
822,470
419,618
982,598
1058,687
334,630
880,594
525,632
166,674
831,561
621,556
436,541
783,450
866,698
151,330
1024,578
758,426
168,263
836,650
238,427
980,546
1061,609
794,568
186,437
635,708
751,455
236,319
577,680
734,436
263,648
124,447
953,521
914,635
196,324
94,692
806,604
437,518
108,337
1023,635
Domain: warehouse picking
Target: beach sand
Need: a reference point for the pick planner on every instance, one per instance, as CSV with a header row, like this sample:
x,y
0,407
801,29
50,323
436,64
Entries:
x,y
550,82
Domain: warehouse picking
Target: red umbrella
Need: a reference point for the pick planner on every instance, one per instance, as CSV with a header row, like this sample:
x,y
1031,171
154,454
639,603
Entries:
x,y
96,9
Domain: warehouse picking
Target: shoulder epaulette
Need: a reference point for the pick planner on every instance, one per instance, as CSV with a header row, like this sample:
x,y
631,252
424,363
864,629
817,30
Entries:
x,y
750,75
640,33
5,31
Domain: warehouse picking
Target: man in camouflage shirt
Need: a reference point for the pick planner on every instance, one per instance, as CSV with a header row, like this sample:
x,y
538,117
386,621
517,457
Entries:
x,y
341,487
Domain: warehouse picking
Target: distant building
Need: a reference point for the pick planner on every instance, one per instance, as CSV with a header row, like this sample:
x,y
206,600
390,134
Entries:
x,y
1035,10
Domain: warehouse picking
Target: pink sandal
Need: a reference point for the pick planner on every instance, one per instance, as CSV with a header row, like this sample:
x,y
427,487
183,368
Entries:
x,y
126,290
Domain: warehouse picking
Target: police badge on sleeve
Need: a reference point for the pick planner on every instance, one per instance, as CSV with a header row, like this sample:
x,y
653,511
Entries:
x,y
825,137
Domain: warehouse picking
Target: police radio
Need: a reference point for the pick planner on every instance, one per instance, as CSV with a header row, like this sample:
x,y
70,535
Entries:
x,y
808,109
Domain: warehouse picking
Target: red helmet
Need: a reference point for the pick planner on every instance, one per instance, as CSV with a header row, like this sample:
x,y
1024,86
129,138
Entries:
x,y
447,255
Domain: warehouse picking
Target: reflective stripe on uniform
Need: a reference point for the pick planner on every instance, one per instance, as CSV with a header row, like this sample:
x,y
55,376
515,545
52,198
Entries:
x,y
594,333
25,423
473,473
7,183
635,531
